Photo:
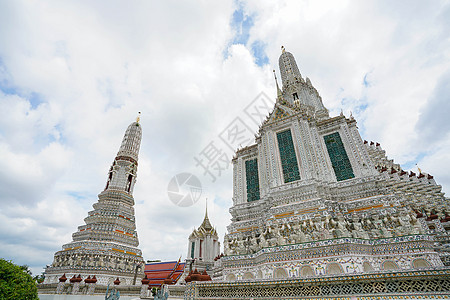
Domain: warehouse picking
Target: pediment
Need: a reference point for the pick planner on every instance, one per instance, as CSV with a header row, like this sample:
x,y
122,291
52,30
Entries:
x,y
280,112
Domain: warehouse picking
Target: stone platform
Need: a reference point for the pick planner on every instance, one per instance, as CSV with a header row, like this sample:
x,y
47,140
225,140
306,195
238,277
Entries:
x,y
426,284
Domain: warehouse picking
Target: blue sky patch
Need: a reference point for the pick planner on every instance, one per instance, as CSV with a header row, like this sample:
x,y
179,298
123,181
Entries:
x,y
259,52
366,80
8,88
241,24
35,99
360,107
5,85
411,165
77,195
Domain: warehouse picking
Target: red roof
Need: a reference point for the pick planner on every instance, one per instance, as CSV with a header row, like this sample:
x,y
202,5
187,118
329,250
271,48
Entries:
x,y
157,272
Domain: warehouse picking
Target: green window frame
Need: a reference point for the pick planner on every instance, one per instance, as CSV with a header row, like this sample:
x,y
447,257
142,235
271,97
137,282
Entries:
x,y
252,178
338,156
192,249
288,157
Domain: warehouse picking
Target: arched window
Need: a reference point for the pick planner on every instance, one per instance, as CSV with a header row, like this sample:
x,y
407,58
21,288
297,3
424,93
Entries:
x,y
421,263
280,273
248,276
231,277
259,274
390,265
334,268
367,267
306,271
130,178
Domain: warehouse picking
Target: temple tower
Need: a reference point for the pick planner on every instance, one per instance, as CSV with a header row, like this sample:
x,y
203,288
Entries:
x,y
203,248
311,198
290,73
106,245
298,91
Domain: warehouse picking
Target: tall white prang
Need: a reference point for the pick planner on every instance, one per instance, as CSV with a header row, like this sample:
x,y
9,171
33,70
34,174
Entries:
x,y
106,246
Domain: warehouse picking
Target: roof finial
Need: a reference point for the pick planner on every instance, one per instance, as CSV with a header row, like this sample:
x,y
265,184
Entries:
x,y
420,171
282,49
206,224
279,93
138,118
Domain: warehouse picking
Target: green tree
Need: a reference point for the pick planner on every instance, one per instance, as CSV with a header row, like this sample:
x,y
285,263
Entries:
x,y
39,278
16,282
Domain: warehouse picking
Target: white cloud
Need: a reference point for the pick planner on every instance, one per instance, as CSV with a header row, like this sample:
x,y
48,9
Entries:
x,y
74,74
400,47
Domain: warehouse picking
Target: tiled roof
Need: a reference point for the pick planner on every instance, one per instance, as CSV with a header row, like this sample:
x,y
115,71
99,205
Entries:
x,y
157,272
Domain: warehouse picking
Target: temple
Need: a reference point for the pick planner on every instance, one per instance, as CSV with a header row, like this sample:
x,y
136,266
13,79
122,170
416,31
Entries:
x,y
106,246
311,198
203,251
317,213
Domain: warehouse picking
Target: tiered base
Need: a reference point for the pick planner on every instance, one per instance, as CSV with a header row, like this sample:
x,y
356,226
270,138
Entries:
x,y
426,284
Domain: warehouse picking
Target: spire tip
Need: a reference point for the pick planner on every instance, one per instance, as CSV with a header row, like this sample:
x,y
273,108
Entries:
x,y
138,118
420,170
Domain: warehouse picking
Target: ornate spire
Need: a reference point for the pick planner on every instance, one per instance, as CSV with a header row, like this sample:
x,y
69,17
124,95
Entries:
x,y
296,90
138,118
108,240
279,93
206,223
420,171
123,172
131,141
288,68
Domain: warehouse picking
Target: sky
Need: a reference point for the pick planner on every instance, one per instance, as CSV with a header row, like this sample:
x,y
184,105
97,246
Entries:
x,y
74,74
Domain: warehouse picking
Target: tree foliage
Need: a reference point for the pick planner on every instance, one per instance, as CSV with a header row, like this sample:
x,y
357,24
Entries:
x,y
16,282
39,278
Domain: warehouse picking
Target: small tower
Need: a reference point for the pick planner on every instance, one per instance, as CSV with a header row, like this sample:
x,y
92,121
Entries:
x,y
290,73
106,245
122,174
203,247
297,91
